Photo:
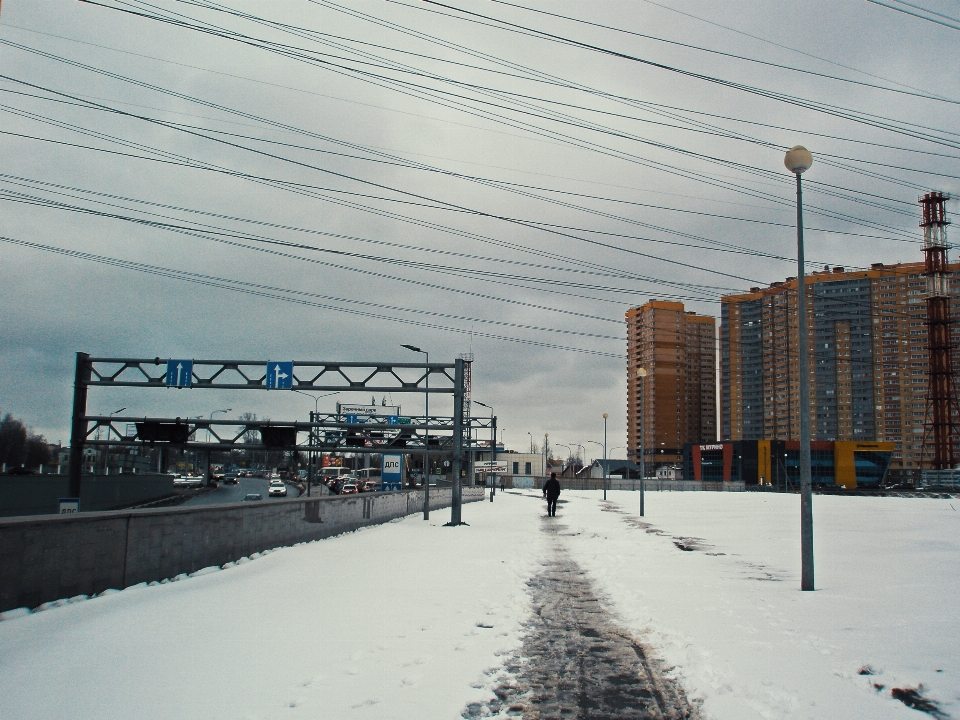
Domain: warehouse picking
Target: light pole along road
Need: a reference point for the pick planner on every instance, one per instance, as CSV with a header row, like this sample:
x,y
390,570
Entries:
x,y
797,160
426,432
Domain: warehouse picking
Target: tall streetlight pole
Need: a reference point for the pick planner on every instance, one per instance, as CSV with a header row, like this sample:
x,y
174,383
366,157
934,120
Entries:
x,y
545,436
605,416
313,434
106,448
797,160
493,438
641,376
209,477
426,432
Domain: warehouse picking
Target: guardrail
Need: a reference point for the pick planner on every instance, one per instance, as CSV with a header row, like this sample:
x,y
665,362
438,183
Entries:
x,y
52,557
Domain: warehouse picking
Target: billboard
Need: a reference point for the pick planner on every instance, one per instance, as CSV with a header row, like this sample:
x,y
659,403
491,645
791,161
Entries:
x,y
366,411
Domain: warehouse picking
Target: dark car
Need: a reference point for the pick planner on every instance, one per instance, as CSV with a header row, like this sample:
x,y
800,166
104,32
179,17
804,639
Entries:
x,y
230,479
252,497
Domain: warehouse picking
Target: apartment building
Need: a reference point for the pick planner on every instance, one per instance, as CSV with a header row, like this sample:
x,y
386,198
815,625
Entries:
x,y
677,348
867,359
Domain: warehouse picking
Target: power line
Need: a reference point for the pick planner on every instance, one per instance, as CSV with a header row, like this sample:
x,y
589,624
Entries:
x,y
277,294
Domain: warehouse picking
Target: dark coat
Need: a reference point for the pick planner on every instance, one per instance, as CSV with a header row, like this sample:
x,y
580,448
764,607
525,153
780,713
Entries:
x,y
551,488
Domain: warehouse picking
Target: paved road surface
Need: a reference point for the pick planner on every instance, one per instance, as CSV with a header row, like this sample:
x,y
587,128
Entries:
x,y
235,493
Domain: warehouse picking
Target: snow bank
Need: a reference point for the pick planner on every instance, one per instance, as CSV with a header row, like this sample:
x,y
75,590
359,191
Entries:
x,y
728,612
411,620
394,621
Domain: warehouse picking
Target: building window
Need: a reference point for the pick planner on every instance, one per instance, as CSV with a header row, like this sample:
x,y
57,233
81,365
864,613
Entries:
x,y
527,469
516,468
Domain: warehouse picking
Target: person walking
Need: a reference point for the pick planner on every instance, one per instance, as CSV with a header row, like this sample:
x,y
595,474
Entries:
x,y
551,491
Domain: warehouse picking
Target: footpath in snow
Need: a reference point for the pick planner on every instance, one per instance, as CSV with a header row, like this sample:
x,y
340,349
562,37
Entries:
x,y
698,602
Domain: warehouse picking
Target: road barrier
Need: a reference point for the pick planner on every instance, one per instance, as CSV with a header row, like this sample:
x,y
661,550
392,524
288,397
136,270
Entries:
x,y
47,558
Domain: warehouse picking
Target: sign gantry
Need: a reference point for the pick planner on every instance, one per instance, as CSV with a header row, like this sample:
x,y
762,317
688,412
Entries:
x,y
325,432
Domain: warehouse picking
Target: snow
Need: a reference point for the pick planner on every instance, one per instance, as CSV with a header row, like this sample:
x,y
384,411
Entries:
x,y
414,620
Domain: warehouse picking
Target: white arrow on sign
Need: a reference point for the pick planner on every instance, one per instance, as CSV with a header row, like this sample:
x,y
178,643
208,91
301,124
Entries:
x,y
278,376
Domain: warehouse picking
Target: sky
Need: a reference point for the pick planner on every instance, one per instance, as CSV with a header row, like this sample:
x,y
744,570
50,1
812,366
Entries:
x,y
313,180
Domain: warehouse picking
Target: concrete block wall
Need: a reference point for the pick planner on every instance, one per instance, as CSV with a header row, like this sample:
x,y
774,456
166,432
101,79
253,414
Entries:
x,y
46,558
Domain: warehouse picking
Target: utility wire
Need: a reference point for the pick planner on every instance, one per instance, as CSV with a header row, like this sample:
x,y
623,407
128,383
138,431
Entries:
x,y
277,294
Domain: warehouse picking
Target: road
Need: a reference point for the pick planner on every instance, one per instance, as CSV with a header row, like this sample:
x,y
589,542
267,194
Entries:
x,y
235,493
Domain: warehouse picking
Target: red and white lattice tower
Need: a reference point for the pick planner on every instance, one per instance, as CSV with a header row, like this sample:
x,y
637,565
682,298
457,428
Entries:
x,y
938,433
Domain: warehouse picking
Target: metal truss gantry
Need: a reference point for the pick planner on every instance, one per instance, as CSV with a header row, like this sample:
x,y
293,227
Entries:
x,y
324,432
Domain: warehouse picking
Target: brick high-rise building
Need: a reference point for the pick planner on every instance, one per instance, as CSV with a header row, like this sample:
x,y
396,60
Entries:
x,y
678,351
867,359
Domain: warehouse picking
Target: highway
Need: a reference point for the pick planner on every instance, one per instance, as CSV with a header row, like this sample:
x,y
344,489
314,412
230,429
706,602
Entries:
x,y
235,493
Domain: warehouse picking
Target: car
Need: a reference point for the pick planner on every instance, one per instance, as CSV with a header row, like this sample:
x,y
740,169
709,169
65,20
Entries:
x,y
348,488
231,479
277,489
252,497
370,486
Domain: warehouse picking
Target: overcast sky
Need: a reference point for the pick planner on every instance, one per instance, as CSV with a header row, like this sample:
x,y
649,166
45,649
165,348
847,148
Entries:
x,y
486,183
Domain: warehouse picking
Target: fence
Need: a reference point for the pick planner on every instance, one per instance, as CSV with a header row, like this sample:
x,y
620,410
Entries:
x,y
46,558
651,485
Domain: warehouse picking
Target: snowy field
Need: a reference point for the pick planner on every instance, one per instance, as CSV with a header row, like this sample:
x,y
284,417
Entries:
x,y
413,620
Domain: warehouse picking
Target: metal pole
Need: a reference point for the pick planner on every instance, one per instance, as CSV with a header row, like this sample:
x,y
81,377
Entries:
x,y
78,428
806,493
493,451
643,424
456,503
604,456
426,457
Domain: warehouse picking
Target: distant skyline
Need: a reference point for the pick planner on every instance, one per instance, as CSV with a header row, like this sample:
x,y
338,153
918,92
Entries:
x,y
404,173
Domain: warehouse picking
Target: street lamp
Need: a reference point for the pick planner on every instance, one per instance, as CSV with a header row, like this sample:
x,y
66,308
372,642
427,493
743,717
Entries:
x,y
426,432
545,437
605,416
797,160
641,375
569,453
106,449
493,439
531,440
313,434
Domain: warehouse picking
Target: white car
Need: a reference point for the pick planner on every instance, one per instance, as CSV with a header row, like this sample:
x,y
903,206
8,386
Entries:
x,y
277,489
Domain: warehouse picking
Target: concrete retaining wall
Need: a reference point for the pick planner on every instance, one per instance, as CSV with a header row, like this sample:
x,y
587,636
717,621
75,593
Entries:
x,y
38,494
46,558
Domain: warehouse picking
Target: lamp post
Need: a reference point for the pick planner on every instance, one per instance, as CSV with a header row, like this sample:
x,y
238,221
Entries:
x,y
797,160
531,440
545,437
493,440
313,434
605,416
426,432
569,453
106,448
641,376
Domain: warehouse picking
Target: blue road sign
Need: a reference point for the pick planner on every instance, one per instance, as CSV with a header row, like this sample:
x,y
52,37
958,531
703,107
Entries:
x,y
391,476
179,373
393,420
350,419
279,375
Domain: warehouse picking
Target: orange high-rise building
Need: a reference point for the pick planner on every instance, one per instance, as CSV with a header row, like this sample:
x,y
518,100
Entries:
x,y
678,351
868,359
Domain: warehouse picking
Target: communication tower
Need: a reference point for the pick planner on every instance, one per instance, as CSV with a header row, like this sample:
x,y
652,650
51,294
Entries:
x,y
941,399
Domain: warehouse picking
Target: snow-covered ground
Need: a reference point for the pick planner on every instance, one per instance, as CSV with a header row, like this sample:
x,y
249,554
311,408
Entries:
x,y
413,620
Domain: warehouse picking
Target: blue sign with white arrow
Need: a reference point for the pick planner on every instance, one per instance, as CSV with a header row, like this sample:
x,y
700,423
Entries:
x,y
279,375
179,373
